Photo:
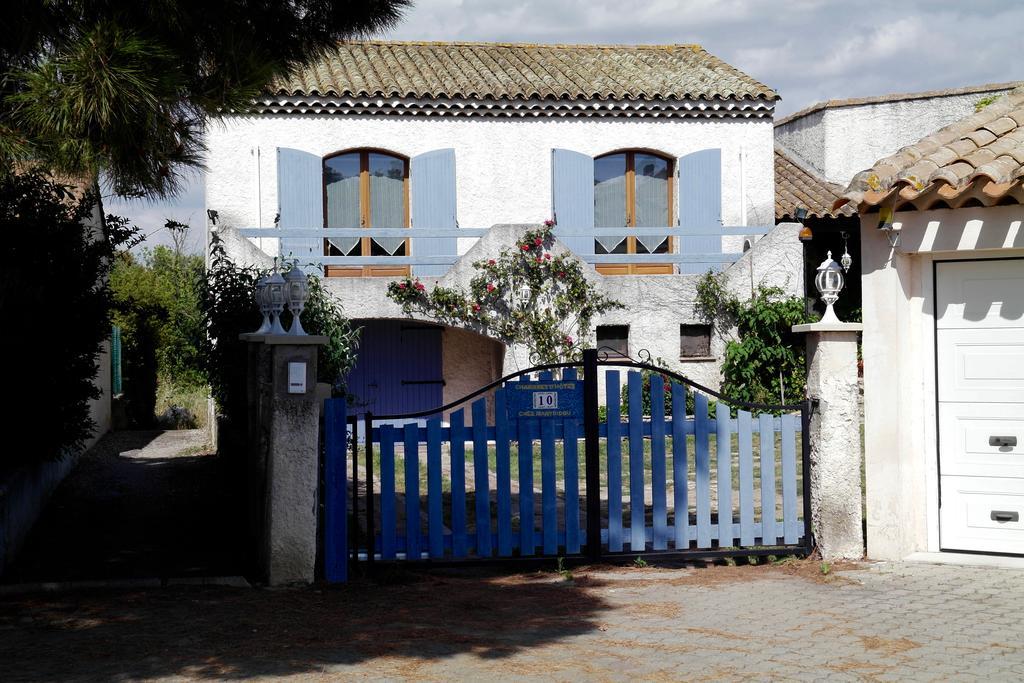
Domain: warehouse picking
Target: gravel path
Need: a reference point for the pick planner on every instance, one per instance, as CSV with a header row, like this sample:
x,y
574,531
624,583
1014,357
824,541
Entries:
x,y
139,504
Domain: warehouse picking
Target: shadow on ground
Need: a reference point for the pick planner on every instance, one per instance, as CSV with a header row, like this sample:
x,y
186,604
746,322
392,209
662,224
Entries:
x,y
229,633
139,504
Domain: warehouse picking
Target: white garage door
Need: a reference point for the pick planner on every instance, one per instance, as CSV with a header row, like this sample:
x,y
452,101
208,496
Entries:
x,y
980,354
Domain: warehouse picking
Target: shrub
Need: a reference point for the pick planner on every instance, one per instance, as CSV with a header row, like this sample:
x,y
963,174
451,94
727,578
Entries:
x,y
230,310
55,300
526,296
765,362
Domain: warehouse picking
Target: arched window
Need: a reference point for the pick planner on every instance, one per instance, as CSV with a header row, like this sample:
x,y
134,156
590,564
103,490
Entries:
x,y
633,189
366,189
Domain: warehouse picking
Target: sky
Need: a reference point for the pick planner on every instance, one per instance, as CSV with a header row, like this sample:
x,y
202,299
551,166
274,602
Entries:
x,y
807,50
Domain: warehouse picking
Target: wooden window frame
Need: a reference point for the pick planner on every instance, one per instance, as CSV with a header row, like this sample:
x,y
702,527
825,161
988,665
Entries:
x,y
597,334
705,330
365,214
631,242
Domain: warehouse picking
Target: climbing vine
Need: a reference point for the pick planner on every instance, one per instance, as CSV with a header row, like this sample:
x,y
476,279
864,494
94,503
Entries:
x,y
765,362
528,295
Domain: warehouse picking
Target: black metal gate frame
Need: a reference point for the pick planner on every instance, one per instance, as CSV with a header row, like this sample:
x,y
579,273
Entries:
x,y
594,552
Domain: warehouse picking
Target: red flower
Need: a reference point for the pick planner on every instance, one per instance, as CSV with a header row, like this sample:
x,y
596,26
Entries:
x,y
539,259
549,222
525,247
547,257
401,285
561,273
476,307
491,262
490,287
568,340
538,241
419,287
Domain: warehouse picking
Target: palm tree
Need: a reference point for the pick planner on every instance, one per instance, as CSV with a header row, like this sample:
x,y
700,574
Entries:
x,y
125,88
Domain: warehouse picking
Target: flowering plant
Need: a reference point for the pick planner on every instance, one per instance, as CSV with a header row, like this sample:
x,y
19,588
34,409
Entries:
x,y
528,295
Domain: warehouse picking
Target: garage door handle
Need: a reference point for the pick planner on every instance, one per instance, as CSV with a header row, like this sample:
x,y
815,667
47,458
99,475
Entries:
x,y
1005,516
1010,441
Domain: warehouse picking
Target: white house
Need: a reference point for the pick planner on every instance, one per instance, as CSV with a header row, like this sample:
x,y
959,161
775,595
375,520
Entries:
x,y
396,158
943,346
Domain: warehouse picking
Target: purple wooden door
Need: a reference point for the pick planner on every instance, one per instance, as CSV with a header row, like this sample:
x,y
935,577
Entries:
x,y
398,369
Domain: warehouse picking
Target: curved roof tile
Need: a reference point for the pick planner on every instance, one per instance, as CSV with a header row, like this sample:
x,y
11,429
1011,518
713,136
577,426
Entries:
x,y
983,152
521,71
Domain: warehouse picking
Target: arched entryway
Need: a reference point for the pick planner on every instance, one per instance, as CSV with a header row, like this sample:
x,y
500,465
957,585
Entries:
x,y
409,365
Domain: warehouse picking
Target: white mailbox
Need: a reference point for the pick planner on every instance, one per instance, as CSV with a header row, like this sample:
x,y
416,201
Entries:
x,y
297,378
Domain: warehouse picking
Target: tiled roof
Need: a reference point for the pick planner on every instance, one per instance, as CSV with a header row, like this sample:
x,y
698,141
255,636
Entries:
x,y
522,71
897,97
797,186
978,159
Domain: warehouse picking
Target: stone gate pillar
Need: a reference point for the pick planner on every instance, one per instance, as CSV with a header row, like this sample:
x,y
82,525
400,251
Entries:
x,y
835,438
284,446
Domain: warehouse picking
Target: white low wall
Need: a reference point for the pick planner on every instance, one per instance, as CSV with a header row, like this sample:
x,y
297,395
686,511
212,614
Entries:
x,y
23,493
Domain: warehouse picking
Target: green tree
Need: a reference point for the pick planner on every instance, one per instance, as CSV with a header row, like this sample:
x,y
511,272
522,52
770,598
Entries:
x,y
125,88
156,305
56,309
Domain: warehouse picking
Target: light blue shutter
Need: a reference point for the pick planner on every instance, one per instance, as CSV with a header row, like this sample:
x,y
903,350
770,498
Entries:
x,y
572,196
700,205
300,202
432,185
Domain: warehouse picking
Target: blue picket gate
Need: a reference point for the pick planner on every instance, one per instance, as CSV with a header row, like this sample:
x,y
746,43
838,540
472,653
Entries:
x,y
482,484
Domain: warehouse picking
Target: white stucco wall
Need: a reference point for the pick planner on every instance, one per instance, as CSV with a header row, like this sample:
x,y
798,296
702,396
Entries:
x,y
901,456
840,141
655,305
503,167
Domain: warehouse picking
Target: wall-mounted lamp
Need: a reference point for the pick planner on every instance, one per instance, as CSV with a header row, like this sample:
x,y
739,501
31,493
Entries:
x,y
806,234
845,260
886,224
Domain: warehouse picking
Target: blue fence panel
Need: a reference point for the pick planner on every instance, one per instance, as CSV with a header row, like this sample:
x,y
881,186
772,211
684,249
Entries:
x,y
435,490
572,486
457,421
613,393
680,469
503,465
549,494
658,474
481,479
702,464
723,444
746,448
388,533
789,507
769,531
637,511
335,492
527,541
412,491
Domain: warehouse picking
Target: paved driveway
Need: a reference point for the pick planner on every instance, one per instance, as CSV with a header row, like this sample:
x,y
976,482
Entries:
x,y
889,622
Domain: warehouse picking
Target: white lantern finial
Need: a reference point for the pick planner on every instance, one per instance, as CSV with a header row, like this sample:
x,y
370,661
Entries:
x,y
829,280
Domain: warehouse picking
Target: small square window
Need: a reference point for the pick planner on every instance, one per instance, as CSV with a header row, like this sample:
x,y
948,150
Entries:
x,y
613,339
694,341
